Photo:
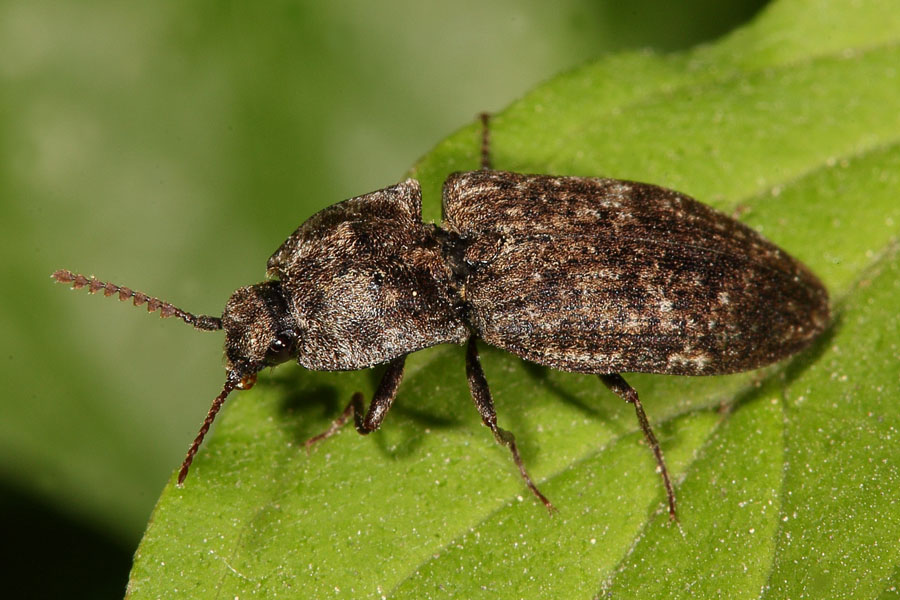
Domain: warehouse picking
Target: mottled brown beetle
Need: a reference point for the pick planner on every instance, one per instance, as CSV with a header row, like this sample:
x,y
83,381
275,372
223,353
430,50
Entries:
x,y
581,274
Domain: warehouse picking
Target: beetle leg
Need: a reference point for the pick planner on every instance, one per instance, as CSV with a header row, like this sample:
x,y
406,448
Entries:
x,y
481,394
617,384
485,141
378,408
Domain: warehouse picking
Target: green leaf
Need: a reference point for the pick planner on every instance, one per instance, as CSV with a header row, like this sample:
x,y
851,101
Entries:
x,y
787,477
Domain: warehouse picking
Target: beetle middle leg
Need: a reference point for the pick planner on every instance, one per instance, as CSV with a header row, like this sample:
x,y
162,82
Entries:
x,y
367,422
481,394
617,384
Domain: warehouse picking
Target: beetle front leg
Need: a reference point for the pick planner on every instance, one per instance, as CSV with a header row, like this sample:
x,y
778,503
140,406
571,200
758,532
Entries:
x,y
481,394
378,408
617,384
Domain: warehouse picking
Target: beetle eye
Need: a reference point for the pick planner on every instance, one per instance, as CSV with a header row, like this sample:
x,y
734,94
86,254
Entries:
x,y
281,348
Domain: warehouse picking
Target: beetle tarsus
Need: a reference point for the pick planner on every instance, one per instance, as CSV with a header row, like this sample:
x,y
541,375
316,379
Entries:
x,y
506,438
353,408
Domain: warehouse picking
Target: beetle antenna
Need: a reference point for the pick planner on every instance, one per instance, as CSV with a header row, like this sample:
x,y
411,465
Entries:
x,y
94,285
230,384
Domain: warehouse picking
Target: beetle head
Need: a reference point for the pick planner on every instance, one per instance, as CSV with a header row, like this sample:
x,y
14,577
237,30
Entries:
x,y
259,331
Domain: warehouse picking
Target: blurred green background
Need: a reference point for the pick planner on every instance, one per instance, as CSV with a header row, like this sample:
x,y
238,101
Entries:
x,y
171,147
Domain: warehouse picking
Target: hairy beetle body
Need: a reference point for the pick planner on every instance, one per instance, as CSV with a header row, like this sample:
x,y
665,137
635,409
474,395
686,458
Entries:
x,y
579,274
582,274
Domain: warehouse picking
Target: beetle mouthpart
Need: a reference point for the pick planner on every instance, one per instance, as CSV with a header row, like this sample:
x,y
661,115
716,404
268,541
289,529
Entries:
x,y
230,384
247,382
94,285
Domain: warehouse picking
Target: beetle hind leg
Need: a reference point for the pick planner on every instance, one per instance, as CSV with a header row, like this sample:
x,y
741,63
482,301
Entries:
x,y
485,141
367,421
617,384
481,394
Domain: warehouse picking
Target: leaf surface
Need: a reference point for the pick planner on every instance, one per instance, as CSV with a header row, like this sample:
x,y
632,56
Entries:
x,y
786,476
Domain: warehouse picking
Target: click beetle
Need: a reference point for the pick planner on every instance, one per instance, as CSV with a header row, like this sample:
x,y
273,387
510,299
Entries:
x,y
582,274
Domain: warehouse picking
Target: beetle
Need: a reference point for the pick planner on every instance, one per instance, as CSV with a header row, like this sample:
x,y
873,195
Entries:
x,y
590,275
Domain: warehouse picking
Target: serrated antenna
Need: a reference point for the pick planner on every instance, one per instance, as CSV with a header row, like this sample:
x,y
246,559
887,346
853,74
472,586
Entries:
x,y
94,285
230,384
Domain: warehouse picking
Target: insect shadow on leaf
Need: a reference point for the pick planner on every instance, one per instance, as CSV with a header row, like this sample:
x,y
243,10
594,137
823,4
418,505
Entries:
x,y
306,405
541,375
